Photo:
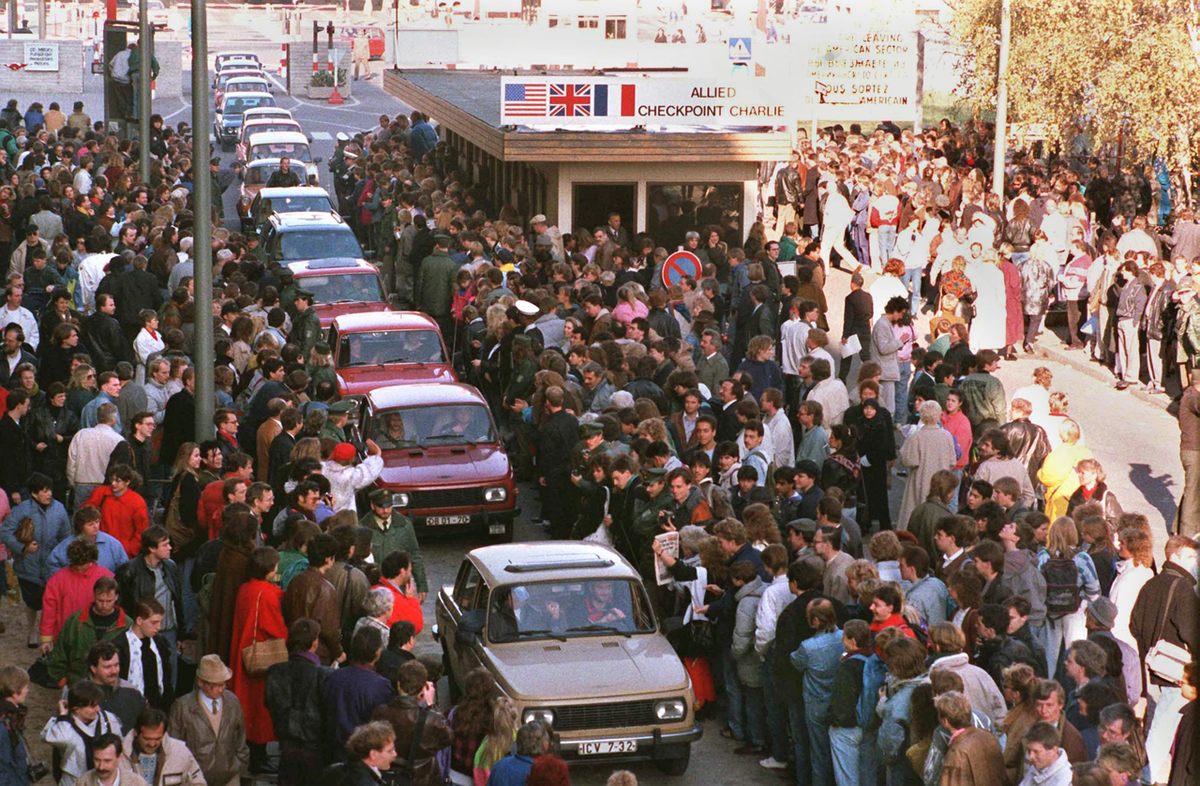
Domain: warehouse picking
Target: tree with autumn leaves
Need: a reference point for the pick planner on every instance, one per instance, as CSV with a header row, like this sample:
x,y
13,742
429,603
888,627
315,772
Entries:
x,y
1128,67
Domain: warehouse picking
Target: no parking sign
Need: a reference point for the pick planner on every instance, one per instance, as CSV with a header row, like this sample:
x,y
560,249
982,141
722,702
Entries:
x,y
678,265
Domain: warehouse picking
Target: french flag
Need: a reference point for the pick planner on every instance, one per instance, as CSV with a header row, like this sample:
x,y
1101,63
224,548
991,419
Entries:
x,y
613,101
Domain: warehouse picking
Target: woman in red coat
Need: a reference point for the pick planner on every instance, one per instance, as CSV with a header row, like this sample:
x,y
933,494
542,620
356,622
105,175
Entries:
x,y
258,616
123,512
1014,322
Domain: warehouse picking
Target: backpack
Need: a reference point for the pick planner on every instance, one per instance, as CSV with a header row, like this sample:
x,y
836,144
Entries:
x,y
1062,587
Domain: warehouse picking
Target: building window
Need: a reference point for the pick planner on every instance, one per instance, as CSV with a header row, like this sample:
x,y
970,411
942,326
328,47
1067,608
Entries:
x,y
589,23
614,28
676,208
552,21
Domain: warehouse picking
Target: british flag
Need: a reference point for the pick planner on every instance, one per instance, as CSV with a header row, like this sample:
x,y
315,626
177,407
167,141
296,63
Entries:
x,y
570,100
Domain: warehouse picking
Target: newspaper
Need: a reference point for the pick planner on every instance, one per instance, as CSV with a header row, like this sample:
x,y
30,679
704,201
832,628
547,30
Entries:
x,y
670,545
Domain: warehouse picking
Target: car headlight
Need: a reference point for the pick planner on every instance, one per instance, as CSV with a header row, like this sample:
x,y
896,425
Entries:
x,y
400,500
495,494
545,716
670,710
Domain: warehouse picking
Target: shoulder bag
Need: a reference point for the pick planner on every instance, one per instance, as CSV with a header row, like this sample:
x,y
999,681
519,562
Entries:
x,y
1166,659
262,655
401,771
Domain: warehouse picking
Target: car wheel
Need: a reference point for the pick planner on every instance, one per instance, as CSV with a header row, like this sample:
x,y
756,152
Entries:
x,y
676,765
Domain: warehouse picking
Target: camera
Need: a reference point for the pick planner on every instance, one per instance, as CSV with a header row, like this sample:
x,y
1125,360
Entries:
x,y
37,770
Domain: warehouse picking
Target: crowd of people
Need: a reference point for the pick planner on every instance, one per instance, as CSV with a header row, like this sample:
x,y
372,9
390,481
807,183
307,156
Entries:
x,y
195,601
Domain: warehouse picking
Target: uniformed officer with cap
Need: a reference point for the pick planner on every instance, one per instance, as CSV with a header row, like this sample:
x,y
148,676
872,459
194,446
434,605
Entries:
x,y
392,531
335,424
306,327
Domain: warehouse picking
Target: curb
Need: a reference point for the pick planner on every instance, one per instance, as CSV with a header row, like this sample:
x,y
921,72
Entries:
x,y
1080,363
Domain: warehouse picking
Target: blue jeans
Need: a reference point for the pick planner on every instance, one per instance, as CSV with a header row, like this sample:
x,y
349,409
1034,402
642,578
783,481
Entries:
x,y
845,744
900,416
82,491
912,280
756,726
799,730
954,497
818,741
777,737
736,708
1020,257
191,604
886,237
868,759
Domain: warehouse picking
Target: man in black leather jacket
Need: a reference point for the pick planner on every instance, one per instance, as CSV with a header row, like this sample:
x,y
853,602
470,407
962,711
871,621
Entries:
x,y
293,697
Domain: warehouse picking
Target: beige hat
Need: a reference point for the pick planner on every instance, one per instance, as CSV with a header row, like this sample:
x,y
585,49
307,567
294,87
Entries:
x,y
538,219
213,670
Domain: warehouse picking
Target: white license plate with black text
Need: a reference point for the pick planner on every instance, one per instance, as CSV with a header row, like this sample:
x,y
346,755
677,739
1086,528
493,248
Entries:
x,y
601,747
446,521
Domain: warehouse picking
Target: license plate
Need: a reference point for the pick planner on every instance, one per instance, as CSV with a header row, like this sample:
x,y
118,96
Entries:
x,y
601,747
495,529
446,521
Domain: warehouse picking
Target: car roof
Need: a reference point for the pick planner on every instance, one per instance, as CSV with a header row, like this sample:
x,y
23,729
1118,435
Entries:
x,y
292,191
271,111
319,267
245,78
279,137
236,56
528,563
424,393
259,120
308,219
384,320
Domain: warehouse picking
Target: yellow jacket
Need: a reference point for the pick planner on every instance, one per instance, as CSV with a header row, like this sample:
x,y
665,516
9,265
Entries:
x,y
1058,476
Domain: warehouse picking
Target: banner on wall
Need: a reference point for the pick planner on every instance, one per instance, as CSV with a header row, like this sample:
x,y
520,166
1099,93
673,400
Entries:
x,y
870,74
588,102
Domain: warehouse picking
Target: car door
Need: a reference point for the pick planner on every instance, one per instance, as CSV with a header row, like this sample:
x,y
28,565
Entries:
x,y
468,587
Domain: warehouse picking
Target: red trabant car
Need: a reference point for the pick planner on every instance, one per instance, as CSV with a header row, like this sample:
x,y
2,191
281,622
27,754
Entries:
x,y
385,348
340,285
443,458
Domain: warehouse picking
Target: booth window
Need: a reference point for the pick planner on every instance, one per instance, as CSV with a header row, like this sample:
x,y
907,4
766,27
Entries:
x,y
674,208
614,28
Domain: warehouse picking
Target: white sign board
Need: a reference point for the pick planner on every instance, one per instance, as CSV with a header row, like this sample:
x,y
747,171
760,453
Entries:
x,y
871,74
580,102
41,57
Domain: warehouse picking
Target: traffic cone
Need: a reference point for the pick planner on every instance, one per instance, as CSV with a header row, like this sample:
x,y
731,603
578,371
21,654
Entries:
x,y
335,97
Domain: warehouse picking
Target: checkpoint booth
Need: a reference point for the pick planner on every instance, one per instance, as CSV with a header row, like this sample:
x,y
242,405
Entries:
x,y
666,153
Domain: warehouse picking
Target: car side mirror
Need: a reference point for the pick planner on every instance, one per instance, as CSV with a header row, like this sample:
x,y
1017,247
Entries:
x,y
318,160
470,627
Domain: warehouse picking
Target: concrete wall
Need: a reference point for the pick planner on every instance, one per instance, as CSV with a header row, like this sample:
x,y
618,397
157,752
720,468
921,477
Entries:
x,y
170,71
26,85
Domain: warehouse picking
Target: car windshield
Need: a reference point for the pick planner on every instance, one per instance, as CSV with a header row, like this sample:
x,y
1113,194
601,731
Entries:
x,y
446,424
261,175
293,150
320,244
568,610
258,127
253,86
308,203
390,346
343,287
236,104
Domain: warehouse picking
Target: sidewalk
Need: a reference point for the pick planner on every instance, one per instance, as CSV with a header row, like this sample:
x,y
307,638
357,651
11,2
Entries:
x,y
1052,346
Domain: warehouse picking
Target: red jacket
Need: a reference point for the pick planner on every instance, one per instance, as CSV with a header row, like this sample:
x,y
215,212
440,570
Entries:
x,y
258,602
68,591
404,607
124,517
211,504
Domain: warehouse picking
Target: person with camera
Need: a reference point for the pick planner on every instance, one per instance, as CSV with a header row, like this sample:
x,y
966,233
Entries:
x,y
421,731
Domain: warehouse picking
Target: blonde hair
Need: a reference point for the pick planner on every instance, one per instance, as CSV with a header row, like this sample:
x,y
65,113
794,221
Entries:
x,y
500,736
1062,538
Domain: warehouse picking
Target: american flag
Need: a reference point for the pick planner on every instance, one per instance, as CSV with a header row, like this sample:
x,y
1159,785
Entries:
x,y
570,100
524,100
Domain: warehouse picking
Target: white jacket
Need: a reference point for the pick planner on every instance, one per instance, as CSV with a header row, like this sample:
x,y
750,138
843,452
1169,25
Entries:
x,y
775,599
59,733
346,480
87,458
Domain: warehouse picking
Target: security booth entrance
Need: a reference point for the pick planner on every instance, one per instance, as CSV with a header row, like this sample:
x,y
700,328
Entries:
x,y
586,153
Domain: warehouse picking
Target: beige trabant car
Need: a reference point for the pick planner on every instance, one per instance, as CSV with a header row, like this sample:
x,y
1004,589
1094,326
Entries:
x,y
567,630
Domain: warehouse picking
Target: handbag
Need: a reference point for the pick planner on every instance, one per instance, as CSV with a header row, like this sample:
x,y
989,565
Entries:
x,y
262,655
602,536
1166,659
1091,327
25,533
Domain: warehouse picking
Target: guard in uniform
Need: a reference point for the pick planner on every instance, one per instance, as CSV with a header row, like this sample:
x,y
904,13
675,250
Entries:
x,y
306,327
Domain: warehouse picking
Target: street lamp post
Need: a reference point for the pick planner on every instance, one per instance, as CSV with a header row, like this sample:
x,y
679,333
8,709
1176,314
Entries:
x,y
202,230
1000,147
145,64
